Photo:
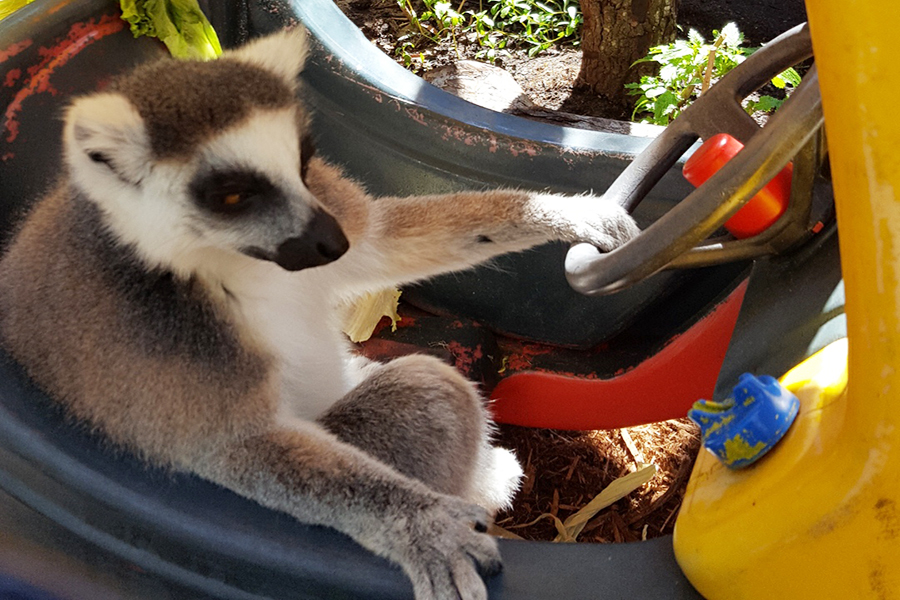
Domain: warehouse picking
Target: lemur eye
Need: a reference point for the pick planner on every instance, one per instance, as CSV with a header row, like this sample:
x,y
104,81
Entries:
x,y
230,201
232,192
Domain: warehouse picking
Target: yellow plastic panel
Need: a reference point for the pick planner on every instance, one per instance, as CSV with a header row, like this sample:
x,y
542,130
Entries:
x,y
819,516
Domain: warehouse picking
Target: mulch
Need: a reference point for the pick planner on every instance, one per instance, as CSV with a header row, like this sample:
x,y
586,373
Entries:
x,y
564,470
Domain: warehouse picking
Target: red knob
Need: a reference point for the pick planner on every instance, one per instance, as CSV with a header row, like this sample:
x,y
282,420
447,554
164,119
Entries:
x,y
763,209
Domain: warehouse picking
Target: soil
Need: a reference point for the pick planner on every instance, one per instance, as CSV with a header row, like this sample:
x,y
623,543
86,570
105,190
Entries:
x,y
548,79
565,470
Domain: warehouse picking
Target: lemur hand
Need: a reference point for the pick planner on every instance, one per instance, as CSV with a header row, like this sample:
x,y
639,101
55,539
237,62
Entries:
x,y
444,550
595,220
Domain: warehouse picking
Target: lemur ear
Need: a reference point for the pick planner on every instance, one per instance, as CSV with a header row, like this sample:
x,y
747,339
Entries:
x,y
282,53
104,132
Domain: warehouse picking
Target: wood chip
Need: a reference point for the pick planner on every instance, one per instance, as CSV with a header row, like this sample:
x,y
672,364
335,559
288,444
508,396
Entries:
x,y
572,467
632,448
528,483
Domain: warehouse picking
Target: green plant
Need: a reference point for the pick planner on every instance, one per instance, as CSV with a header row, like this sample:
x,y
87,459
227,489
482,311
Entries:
x,y
497,25
437,18
689,67
501,24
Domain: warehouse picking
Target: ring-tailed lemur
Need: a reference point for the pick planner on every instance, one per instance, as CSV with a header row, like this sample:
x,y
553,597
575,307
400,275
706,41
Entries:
x,y
182,291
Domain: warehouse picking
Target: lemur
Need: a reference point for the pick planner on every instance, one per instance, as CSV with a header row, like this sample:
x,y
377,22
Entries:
x,y
182,291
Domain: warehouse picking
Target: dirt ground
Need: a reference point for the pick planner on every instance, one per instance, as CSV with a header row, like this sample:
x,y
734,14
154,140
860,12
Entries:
x,y
549,78
565,470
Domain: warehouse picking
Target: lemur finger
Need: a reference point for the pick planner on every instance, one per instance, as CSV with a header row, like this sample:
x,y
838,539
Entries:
x,y
467,581
482,549
613,230
470,513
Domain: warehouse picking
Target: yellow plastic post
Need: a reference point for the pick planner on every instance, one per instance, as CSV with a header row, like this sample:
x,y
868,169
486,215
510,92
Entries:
x,y
819,516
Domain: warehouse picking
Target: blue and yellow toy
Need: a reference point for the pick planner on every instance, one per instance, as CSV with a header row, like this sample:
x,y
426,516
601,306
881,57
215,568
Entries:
x,y
742,428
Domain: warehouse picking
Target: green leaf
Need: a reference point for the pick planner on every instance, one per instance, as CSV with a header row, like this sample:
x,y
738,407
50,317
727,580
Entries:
x,y
731,35
665,104
669,72
765,104
791,77
179,24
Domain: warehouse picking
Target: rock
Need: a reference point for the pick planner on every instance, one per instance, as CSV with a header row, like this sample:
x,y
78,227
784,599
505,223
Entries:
x,y
494,88
481,84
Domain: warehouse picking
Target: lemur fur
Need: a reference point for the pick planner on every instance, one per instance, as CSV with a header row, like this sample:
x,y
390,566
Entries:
x,y
182,291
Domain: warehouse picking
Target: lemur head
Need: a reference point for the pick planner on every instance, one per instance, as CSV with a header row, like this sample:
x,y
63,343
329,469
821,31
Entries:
x,y
188,159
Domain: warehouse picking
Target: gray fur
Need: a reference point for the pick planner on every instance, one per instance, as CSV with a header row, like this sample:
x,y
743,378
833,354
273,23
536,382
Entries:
x,y
142,355
419,416
167,315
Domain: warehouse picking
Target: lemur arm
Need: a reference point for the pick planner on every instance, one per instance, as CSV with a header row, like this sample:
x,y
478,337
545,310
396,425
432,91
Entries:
x,y
396,240
304,471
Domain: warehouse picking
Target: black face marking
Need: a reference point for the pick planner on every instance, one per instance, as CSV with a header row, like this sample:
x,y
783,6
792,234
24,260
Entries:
x,y
307,151
234,193
483,239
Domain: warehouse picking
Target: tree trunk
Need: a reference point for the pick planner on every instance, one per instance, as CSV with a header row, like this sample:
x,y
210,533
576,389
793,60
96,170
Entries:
x,y
614,35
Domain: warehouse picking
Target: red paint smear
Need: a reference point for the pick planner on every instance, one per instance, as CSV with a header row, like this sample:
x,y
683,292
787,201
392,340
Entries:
x,y
525,353
12,76
80,36
13,50
662,387
465,357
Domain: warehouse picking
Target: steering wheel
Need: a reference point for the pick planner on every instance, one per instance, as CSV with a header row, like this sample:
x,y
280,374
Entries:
x,y
672,241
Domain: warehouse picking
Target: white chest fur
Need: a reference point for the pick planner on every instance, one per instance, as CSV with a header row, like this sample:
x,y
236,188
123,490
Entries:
x,y
292,317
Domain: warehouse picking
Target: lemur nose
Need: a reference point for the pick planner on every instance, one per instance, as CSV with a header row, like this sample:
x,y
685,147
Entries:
x,y
322,242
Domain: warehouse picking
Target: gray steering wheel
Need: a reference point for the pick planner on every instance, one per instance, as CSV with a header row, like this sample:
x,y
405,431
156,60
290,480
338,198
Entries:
x,y
672,241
